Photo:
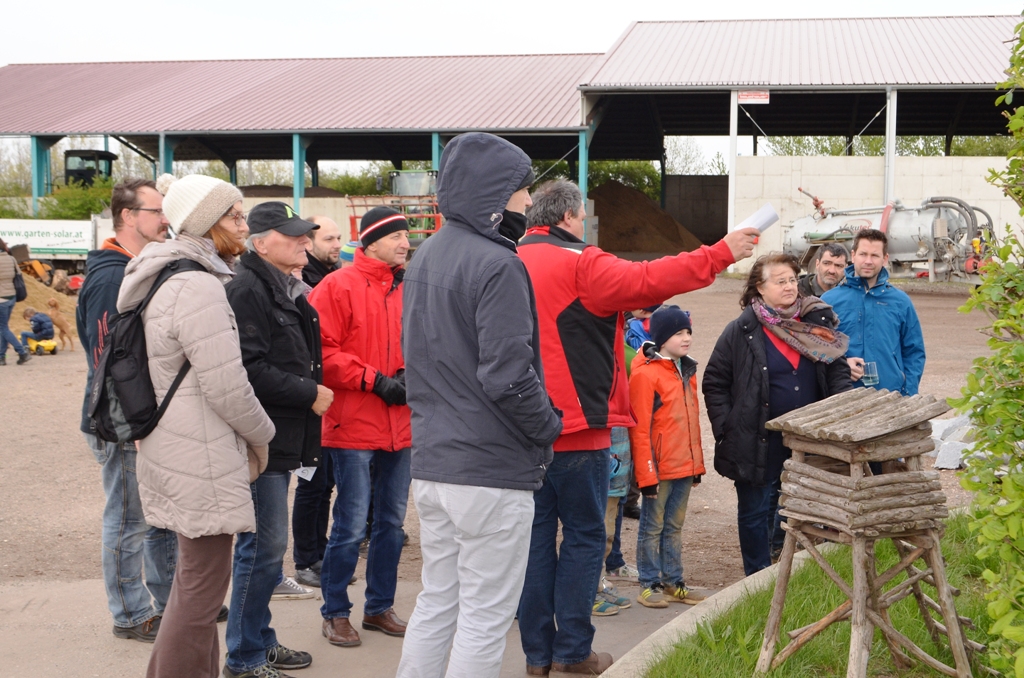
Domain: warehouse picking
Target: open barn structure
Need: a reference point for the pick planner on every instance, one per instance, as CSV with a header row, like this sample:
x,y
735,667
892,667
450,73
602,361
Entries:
x,y
840,77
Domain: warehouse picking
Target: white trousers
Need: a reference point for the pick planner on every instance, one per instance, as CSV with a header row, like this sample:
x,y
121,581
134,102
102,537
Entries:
x,y
475,543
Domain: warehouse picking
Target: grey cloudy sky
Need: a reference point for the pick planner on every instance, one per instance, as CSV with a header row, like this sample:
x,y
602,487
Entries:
x,y
117,30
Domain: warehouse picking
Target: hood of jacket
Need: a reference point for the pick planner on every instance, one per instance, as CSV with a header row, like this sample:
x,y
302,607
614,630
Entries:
x,y
142,271
857,282
99,260
477,175
648,355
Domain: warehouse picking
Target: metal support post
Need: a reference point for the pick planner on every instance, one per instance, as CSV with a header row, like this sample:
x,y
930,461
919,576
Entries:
x,y
232,171
889,192
733,125
435,150
662,163
106,142
299,146
584,163
40,156
314,172
167,146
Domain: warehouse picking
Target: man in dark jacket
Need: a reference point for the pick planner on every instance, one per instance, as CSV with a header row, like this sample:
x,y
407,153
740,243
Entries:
x,y
322,250
482,423
279,333
136,605
581,293
828,271
311,510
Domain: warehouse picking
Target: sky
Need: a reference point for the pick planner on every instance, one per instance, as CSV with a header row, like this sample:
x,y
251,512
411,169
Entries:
x,y
116,30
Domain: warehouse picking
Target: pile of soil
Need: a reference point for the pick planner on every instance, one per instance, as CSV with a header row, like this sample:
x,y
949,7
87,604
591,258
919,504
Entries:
x,y
276,191
38,295
629,221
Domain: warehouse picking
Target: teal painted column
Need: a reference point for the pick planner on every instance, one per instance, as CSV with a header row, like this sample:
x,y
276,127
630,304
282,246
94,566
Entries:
x,y
299,146
232,172
584,164
435,151
167,146
40,156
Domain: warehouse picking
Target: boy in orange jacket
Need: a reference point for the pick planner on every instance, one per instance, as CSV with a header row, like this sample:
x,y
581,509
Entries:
x,y
666,452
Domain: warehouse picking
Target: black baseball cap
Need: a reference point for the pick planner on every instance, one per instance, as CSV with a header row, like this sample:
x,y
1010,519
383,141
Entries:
x,y
277,216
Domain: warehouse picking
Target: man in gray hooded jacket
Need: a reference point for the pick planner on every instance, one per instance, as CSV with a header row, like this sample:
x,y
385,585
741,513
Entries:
x,y
482,423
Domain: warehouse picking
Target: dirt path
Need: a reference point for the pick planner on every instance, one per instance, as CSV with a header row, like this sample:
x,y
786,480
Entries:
x,y
51,500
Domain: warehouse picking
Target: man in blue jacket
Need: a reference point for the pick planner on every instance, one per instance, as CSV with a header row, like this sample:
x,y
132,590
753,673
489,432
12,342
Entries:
x,y
879,319
482,423
135,603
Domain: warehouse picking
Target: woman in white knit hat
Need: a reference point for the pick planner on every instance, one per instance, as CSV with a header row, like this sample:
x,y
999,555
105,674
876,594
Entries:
x,y
194,469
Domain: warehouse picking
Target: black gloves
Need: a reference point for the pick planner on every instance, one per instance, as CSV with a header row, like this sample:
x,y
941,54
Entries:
x,y
649,491
390,389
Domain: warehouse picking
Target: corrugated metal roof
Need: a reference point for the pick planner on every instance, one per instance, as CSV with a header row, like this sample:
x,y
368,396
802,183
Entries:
x,y
797,53
530,92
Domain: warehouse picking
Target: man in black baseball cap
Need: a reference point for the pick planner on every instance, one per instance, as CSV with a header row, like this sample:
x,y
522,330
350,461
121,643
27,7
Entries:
x,y
279,334
280,217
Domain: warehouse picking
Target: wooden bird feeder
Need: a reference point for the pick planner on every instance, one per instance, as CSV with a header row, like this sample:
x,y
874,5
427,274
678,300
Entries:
x,y
829,492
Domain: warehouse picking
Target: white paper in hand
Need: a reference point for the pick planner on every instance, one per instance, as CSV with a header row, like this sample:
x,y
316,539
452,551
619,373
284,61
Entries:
x,y
305,472
761,219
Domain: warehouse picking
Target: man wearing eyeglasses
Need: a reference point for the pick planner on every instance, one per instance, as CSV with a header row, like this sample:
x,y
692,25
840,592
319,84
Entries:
x,y
135,603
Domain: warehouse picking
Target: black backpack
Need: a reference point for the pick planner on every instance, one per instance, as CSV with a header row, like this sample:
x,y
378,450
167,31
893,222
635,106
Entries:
x,y
122,403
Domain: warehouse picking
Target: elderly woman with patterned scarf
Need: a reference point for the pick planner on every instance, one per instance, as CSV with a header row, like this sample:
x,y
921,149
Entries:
x,y
780,354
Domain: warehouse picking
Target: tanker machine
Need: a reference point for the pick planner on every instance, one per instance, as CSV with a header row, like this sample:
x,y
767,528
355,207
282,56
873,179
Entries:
x,y
944,238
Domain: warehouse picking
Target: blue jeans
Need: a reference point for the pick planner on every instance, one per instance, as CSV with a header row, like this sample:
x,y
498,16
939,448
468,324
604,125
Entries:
x,y
615,560
757,517
389,477
6,336
311,513
129,543
34,336
259,556
558,597
659,544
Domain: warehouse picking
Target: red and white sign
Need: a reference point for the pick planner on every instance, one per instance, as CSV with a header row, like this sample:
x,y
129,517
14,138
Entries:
x,y
754,96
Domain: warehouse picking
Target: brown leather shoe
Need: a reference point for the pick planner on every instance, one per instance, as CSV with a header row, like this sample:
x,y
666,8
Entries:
x,y
387,622
538,670
594,665
339,631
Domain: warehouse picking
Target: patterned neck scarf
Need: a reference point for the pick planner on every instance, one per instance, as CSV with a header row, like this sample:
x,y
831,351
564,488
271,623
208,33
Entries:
x,y
814,342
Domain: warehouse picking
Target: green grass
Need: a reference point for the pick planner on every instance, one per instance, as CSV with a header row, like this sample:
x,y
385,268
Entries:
x,y
729,644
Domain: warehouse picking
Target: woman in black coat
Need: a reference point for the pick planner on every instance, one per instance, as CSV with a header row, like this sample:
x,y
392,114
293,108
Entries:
x,y
780,354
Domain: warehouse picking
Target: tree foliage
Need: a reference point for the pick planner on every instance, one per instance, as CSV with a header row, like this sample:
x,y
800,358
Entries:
x,y
994,396
875,145
76,200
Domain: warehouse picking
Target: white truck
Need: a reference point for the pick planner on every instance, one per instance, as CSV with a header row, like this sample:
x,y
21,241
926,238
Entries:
x,y
62,244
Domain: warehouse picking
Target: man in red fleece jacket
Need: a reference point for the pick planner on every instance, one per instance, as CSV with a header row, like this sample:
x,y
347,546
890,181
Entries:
x,y
581,291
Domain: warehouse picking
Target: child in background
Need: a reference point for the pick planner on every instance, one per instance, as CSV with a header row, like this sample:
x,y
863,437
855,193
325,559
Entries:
x,y
638,327
666,452
42,326
608,601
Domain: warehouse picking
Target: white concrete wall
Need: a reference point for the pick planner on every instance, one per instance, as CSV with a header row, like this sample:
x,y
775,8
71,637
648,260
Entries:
x,y
849,182
335,208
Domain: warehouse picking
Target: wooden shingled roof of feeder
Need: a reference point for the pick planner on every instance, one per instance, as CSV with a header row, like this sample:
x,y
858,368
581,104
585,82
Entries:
x,y
859,415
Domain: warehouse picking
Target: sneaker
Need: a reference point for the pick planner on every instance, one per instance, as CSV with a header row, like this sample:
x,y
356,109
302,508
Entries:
x,y
308,577
24,358
681,594
222,616
3,359
281,657
290,590
144,632
611,594
652,596
624,573
602,608
317,566
265,671
631,511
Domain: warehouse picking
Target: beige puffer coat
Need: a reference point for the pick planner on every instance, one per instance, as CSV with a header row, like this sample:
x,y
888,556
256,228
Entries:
x,y
8,267
192,469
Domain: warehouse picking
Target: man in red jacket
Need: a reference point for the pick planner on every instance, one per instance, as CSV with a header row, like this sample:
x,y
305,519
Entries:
x,y
581,293
366,430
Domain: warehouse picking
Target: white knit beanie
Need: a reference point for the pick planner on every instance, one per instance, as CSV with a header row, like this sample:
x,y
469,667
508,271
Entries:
x,y
193,204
